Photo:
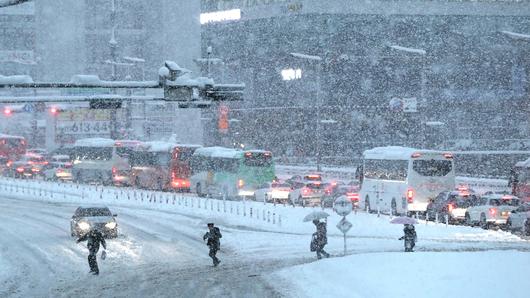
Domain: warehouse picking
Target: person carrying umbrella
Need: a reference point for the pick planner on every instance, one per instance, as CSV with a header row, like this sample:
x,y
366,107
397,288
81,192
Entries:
x,y
320,239
409,237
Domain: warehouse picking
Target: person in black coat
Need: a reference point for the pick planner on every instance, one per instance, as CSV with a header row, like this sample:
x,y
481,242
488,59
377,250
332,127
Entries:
x,y
320,238
212,240
409,237
94,238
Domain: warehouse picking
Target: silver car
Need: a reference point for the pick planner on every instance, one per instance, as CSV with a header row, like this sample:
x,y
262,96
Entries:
x,y
88,218
519,219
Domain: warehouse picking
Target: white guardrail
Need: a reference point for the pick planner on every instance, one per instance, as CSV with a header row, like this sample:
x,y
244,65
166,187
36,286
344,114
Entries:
x,y
248,212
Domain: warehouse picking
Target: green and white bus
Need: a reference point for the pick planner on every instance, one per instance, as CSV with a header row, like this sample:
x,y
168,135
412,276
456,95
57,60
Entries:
x,y
219,171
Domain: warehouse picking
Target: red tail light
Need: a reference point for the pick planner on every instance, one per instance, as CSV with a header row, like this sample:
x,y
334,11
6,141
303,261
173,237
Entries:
x,y
448,155
114,171
354,197
306,191
410,195
60,170
35,170
450,207
20,169
68,165
415,155
493,211
240,183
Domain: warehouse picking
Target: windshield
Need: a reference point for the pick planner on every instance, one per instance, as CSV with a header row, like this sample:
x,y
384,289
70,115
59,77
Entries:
x,y
92,153
184,153
504,202
432,167
258,160
89,212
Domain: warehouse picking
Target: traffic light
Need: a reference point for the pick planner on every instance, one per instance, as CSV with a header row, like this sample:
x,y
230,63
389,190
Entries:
x,y
8,111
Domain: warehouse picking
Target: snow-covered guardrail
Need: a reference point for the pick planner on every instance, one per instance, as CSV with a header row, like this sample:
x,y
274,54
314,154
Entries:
x,y
247,212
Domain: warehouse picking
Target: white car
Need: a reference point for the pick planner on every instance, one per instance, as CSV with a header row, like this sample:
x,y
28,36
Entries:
x,y
307,194
58,168
491,210
519,219
277,192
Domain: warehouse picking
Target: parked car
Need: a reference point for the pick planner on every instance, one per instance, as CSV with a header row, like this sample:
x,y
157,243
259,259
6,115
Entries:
x,y
452,204
58,168
273,192
491,210
519,219
331,194
100,218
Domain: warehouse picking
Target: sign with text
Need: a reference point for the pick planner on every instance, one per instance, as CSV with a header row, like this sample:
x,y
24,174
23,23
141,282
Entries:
x,y
84,123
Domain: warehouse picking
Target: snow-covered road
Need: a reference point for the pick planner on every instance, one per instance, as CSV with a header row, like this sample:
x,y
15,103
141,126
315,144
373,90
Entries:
x,y
160,253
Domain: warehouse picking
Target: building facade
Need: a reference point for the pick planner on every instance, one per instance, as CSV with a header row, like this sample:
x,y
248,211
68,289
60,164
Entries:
x,y
463,66
56,39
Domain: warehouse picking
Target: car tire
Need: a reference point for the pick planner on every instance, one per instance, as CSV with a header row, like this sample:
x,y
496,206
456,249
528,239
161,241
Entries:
x,y
468,220
526,228
509,225
483,223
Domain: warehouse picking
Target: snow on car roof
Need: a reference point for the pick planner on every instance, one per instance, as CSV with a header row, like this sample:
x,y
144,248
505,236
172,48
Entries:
x,y
395,152
10,136
220,152
159,146
94,142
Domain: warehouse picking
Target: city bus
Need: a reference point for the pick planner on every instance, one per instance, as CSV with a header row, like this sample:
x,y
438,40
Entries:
x,y
400,180
163,166
520,180
231,173
12,147
102,160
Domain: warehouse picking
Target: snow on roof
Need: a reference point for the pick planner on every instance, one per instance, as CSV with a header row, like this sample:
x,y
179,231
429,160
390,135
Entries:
x,y
134,59
94,142
220,152
18,79
163,71
85,79
186,80
174,66
523,164
516,35
159,146
394,152
409,50
10,136
304,56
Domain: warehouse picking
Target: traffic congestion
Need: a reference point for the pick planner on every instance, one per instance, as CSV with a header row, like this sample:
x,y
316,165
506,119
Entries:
x,y
391,180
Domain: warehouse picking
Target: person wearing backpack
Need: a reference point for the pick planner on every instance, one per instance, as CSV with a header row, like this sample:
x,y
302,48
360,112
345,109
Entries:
x,y
212,241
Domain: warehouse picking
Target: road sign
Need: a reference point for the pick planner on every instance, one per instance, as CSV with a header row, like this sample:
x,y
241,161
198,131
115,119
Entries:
x,y
342,206
344,225
28,108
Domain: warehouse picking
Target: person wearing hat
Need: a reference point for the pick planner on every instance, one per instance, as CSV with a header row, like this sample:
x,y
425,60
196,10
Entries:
x,y
212,240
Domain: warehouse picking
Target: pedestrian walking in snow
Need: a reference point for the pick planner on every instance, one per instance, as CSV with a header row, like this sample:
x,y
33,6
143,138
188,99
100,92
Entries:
x,y
320,239
212,240
94,238
409,237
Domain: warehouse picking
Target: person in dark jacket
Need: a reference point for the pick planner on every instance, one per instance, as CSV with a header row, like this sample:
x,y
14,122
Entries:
x,y
212,240
320,238
94,238
409,237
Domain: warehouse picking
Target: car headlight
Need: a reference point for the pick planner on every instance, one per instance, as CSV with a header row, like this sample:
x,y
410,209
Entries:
x,y
110,225
84,225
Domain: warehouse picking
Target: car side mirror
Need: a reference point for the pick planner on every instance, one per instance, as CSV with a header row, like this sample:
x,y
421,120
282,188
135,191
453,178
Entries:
x,y
115,215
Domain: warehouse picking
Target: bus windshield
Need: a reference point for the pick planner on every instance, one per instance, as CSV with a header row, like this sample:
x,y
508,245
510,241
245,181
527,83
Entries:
x,y
184,153
258,159
432,167
93,153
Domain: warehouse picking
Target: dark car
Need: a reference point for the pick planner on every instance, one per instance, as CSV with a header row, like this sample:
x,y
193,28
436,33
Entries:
x,y
29,166
100,218
452,204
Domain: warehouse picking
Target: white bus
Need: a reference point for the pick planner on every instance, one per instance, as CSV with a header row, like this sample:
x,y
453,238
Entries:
x,y
400,180
103,161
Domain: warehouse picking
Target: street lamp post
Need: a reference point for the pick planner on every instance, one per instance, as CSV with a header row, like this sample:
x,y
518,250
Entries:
x,y
318,60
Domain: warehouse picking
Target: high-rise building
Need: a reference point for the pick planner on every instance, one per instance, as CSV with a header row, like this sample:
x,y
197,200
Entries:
x,y
52,40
